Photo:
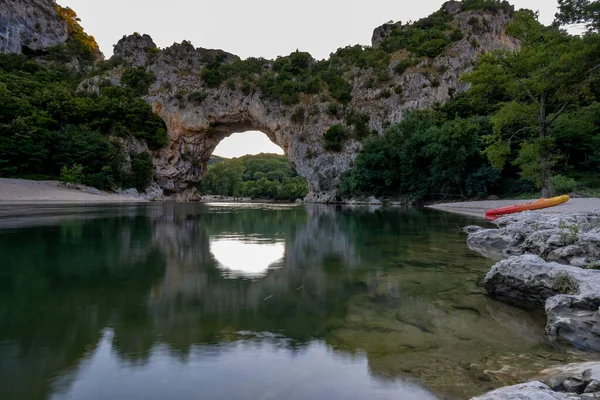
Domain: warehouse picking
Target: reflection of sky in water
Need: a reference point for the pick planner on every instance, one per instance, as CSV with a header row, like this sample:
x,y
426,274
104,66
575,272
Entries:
x,y
246,256
246,369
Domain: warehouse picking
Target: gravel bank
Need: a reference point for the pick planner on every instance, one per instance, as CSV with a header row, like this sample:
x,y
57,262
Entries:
x,y
24,191
478,208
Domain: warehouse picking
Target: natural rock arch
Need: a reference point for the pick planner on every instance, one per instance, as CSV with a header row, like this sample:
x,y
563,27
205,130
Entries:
x,y
199,116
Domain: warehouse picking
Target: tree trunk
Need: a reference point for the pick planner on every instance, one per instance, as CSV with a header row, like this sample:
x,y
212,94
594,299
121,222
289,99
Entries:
x,y
545,191
544,156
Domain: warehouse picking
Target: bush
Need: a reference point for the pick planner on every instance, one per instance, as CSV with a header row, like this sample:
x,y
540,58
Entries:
x,y
196,97
335,137
71,175
142,171
562,185
138,80
565,284
403,65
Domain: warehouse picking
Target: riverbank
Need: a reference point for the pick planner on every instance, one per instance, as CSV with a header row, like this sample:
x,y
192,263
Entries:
x,y
548,260
478,208
25,191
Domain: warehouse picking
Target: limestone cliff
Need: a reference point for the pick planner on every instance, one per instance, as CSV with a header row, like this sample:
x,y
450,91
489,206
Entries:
x,y
199,115
33,27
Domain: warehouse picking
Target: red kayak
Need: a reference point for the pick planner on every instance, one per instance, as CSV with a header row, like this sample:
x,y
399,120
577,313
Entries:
x,y
536,205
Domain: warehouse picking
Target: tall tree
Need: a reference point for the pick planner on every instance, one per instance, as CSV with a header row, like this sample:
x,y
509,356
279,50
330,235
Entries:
x,y
579,12
539,81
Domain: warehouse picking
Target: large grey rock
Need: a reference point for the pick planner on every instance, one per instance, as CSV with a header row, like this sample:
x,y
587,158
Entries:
x,y
525,391
33,26
30,26
196,127
528,279
568,239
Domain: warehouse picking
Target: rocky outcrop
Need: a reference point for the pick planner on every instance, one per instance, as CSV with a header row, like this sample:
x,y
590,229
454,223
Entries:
x,y
570,382
553,265
569,295
198,117
30,27
568,239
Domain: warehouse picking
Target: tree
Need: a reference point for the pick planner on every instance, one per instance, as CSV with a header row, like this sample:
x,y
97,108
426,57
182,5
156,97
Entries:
x,y
578,12
540,81
224,178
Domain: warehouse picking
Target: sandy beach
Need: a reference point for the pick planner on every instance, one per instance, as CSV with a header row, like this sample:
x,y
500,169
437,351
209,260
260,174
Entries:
x,y
26,191
478,208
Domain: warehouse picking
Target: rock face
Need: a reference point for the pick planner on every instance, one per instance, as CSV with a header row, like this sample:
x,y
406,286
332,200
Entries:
x,y
196,127
30,27
570,295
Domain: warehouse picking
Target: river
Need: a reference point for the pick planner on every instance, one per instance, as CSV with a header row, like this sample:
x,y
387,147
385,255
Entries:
x,y
251,301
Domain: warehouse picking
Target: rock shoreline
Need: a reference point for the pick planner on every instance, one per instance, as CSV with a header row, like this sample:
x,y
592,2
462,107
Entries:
x,y
552,262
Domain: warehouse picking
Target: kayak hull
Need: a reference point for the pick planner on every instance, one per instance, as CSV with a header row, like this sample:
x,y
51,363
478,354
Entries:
x,y
536,205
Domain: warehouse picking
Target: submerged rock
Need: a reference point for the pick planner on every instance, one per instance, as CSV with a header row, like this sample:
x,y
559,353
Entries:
x,y
569,295
577,381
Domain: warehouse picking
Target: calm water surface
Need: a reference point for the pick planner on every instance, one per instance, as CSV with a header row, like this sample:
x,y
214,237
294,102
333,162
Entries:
x,y
190,301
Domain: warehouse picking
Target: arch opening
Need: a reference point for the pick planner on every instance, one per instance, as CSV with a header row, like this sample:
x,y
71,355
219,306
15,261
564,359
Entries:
x,y
251,165
246,143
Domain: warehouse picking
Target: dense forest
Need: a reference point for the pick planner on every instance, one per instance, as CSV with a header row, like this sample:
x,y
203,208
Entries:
x,y
530,120
263,176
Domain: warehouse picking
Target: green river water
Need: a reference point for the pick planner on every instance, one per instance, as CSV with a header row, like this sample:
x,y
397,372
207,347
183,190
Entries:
x,y
193,301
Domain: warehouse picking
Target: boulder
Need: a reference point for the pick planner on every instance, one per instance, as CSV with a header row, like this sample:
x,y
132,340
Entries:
x,y
567,239
569,295
525,391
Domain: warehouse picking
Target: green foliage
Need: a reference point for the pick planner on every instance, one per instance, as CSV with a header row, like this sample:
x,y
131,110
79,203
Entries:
x,y
425,38
335,137
71,175
403,65
46,125
79,44
551,71
578,12
138,80
488,5
264,176
422,157
142,171
560,185
565,284
360,122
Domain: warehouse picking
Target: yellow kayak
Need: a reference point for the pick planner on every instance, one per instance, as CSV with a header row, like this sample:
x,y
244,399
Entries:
x,y
536,205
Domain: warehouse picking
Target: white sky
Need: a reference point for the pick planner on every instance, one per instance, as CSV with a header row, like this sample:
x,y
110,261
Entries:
x,y
257,28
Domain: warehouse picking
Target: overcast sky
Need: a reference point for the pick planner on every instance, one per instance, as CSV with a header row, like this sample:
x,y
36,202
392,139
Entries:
x,y
257,28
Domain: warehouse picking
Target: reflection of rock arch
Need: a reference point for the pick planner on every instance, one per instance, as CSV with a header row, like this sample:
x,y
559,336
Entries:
x,y
192,287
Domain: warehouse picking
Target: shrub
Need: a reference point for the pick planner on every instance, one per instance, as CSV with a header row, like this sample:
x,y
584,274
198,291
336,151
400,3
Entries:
x,y
562,185
196,97
142,171
402,66
335,137
138,80
71,175
565,284
334,109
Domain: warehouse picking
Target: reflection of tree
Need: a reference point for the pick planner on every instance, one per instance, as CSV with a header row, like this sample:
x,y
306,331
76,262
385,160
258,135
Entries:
x,y
87,269
59,286
194,304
